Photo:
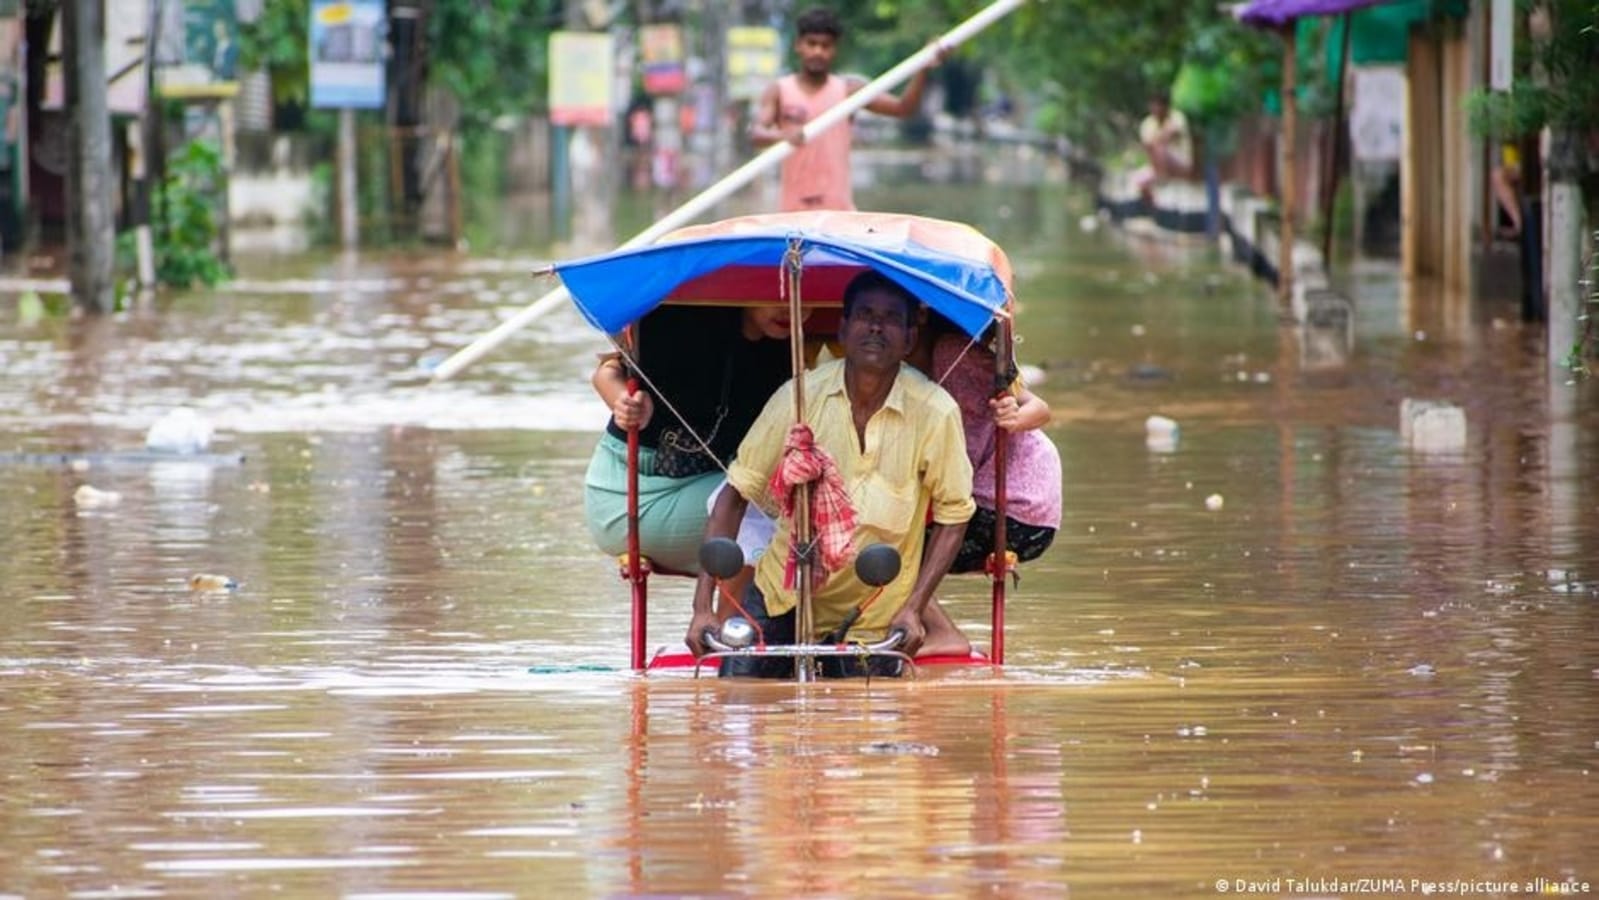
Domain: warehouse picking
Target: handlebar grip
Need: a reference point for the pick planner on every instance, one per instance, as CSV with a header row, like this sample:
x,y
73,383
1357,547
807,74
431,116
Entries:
x,y
711,641
894,639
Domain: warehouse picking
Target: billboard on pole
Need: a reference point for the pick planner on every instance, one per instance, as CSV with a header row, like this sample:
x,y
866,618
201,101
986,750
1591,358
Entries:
x,y
754,54
580,78
661,47
196,48
347,51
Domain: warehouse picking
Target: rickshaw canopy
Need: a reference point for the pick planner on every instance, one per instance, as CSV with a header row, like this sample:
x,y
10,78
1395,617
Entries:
x,y
949,266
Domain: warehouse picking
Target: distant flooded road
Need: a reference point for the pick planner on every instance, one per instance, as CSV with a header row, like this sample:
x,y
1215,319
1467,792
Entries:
x,y
1355,662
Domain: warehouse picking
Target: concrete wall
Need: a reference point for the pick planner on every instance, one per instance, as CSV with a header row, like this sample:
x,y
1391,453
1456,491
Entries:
x,y
272,187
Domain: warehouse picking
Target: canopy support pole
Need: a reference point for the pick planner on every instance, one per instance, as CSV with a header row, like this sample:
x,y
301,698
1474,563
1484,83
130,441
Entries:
x,y
802,537
637,577
999,563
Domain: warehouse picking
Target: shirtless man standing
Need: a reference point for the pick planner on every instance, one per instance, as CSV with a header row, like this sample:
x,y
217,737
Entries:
x,y
817,174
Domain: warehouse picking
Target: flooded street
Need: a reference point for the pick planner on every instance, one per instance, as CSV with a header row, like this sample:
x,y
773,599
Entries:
x,y
1367,663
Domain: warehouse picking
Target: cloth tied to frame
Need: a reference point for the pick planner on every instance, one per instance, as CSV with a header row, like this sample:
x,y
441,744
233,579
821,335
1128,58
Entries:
x,y
832,516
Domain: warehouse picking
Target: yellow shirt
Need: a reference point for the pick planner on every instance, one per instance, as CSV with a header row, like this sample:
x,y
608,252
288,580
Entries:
x,y
914,456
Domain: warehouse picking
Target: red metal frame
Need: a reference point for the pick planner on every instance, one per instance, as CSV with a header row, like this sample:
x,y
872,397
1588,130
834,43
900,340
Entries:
x,y
822,285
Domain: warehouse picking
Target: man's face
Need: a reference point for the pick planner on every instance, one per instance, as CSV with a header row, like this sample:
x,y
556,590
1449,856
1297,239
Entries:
x,y
1159,108
816,51
878,332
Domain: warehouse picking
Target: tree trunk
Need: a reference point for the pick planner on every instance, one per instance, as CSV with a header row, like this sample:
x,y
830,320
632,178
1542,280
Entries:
x,y
91,233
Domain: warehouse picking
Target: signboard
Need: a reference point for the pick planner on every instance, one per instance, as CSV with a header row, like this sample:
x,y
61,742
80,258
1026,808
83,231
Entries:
x,y
12,98
196,47
347,50
661,47
126,53
754,55
1501,43
580,78
1377,114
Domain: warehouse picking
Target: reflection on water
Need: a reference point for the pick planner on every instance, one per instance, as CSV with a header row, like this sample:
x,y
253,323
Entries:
x,y
1366,663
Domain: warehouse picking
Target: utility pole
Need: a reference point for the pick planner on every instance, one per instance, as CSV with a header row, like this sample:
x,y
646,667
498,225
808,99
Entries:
x,y
91,234
349,214
1563,209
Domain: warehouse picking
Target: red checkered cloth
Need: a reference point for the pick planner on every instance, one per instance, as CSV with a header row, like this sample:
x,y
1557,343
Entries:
x,y
832,516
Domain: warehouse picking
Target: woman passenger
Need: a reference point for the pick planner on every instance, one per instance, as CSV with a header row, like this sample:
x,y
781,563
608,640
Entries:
x,y
965,368
716,367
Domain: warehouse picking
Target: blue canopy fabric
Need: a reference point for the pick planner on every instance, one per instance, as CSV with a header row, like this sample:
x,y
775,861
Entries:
x,y
616,289
1277,13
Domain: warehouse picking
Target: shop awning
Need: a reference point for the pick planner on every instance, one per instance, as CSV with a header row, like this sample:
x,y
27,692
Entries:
x,y
1276,13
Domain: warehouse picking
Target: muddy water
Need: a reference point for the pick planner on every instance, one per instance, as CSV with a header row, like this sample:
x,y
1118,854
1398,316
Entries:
x,y
1366,664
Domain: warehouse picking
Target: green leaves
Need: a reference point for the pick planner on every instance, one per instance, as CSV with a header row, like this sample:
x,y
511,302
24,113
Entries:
x,y
183,247
276,41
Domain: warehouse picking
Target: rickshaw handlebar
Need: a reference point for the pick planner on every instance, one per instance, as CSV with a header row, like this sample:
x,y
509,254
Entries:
x,y
887,644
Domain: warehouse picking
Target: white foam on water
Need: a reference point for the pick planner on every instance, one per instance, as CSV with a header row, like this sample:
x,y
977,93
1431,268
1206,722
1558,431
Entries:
x,y
439,410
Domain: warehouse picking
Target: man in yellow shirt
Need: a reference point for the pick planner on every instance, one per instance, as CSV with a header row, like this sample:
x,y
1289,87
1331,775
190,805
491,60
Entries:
x,y
900,448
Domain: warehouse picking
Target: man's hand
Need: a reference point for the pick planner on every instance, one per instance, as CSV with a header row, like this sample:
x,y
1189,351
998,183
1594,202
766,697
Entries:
x,y
794,133
633,410
910,622
696,632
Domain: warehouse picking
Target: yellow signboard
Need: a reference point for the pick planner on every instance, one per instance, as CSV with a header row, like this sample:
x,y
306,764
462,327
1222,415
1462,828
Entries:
x,y
580,78
754,54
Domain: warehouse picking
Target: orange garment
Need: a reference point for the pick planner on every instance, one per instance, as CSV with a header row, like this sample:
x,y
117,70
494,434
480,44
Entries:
x,y
816,175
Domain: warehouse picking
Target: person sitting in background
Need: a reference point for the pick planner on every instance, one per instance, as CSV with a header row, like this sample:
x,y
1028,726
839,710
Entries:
x,y
1168,143
1506,179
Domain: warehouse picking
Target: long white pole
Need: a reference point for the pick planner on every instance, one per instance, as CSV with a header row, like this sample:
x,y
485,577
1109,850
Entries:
x,y
740,177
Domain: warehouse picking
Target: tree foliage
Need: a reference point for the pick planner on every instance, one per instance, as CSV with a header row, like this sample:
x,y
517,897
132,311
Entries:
x,y
492,54
276,41
1098,63
1557,84
185,242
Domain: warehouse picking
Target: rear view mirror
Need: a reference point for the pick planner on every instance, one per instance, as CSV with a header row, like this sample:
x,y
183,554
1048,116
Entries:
x,y
722,558
877,565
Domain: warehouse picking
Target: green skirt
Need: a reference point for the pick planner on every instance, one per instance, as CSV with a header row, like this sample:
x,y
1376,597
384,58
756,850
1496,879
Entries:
x,y
672,511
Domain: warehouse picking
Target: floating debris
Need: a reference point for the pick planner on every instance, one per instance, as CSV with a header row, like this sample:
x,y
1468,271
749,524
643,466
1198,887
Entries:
x,y
898,748
90,497
1432,426
214,584
557,669
1160,434
1421,670
1215,502
180,431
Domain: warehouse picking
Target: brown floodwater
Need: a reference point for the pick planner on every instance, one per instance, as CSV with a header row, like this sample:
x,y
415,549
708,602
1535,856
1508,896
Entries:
x,y
1367,663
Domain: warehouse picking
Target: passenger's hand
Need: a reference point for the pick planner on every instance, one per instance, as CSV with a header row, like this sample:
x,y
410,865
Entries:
x,y
794,134
1007,412
633,410
940,54
911,624
696,632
